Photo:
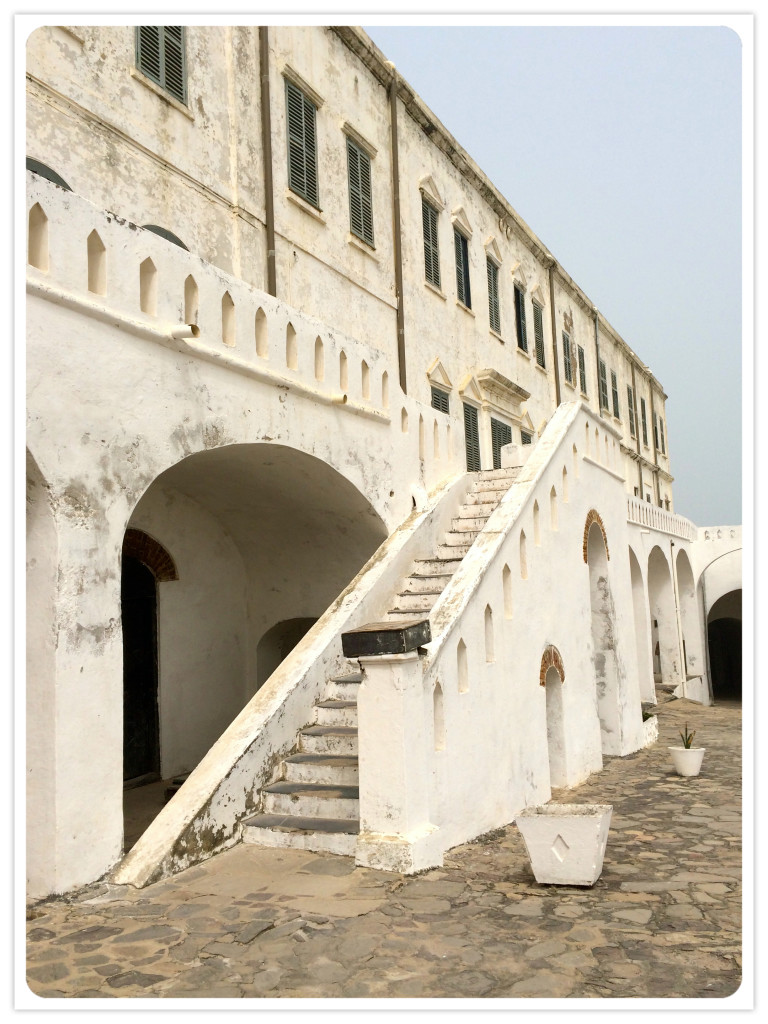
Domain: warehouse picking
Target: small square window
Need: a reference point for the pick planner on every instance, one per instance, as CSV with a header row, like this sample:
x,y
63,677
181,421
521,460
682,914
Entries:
x,y
440,400
160,55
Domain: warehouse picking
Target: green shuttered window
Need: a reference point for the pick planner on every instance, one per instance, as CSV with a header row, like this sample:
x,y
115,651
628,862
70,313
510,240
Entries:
x,y
615,396
603,386
160,55
644,422
360,198
431,249
439,399
501,434
522,338
567,364
302,144
471,438
538,332
461,250
493,296
631,408
582,371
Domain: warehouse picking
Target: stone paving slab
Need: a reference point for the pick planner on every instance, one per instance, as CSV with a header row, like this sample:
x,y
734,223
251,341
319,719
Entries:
x,y
663,921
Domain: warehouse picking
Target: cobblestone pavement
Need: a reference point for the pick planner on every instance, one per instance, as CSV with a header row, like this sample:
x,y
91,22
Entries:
x,y
663,920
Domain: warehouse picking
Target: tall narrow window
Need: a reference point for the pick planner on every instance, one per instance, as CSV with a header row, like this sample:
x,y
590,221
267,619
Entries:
x,y
644,422
462,268
656,430
97,265
501,434
582,372
160,55
603,386
302,144
494,311
37,245
615,395
360,196
567,358
631,408
431,249
661,436
522,338
538,332
472,438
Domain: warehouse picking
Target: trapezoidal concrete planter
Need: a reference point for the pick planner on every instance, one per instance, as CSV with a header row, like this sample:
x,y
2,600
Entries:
x,y
687,760
566,842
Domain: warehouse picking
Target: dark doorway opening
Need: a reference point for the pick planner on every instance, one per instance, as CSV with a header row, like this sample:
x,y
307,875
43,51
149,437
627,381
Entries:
x,y
724,636
141,734
277,643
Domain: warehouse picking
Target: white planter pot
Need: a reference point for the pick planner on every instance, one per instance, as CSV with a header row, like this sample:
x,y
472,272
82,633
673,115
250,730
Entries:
x,y
566,842
687,760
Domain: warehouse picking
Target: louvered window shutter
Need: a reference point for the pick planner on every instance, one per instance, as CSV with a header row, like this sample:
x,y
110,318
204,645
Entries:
x,y
656,430
615,395
471,438
501,434
439,400
567,358
302,144
661,434
522,338
538,332
462,268
360,202
644,421
631,407
582,372
431,254
603,386
160,56
493,296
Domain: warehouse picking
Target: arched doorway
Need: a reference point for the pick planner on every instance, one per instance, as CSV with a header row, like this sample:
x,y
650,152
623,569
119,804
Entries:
x,y
603,623
642,632
724,639
552,678
141,738
661,600
277,643
690,620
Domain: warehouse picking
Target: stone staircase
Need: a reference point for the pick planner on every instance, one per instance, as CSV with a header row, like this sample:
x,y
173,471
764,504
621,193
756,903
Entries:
x,y
314,804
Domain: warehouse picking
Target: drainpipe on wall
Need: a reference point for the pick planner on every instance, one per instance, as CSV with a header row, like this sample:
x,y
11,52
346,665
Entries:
x,y
266,148
397,229
552,265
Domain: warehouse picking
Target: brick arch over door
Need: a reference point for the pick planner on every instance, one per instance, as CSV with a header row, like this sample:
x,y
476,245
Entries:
x,y
142,547
593,516
551,658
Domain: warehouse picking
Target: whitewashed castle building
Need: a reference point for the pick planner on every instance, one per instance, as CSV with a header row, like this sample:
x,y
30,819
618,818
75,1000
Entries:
x,y
296,367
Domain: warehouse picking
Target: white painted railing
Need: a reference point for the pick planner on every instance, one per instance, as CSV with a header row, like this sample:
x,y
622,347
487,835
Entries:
x,y
645,514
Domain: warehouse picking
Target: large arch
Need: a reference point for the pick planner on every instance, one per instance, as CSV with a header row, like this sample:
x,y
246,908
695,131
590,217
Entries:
x,y
257,534
642,632
661,600
603,624
724,640
694,660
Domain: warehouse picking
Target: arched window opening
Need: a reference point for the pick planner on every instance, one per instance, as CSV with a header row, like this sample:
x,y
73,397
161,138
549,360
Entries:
x,y
261,334
291,348
37,239
490,654
191,301
365,379
438,712
343,372
228,320
462,666
97,265
148,287
523,557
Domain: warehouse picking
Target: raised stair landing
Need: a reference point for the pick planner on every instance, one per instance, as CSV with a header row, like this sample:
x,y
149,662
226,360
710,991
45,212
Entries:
x,y
315,804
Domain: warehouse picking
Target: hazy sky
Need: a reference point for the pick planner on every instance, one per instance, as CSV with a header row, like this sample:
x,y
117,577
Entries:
x,y
621,149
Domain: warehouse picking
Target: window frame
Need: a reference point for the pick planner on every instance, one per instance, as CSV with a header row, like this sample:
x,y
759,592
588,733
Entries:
x,y
501,434
603,377
440,400
357,190
567,361
582,360
538,333
494,303
644,422
302,146
615,395
631,408
461,254
520,328
176,90
429,215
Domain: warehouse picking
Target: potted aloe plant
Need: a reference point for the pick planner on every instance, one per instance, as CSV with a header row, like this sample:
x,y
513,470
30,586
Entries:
x,y
687,759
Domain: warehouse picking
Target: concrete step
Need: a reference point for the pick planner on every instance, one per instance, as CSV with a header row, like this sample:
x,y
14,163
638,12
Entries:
x,y
458,538
320,835
437,565
336,712
399,615
490,498
344,687
469,524
506,473
454,550
429,583
491,486
324,739
312,800
421,602
326,769
477,510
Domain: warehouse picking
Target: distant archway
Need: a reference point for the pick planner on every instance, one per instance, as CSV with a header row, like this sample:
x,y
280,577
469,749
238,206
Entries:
x,y
277,643
724,639
661,600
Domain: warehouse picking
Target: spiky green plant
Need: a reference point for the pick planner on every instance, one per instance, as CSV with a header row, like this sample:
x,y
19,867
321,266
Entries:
x,y
687,737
